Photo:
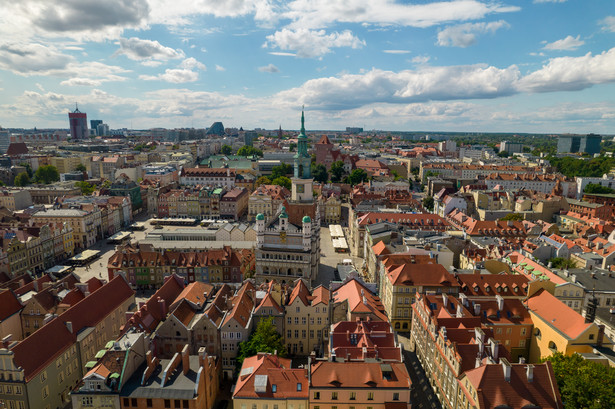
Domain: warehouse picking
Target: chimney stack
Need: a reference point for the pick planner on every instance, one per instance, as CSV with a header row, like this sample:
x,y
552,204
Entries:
x,y
530,373
163,307
6,341
69,326
477,309
185,360
500,301
494,349
506,367
444,300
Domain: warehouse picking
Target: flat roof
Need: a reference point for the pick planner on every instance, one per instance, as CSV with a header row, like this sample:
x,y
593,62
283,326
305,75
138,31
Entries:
x,y
85,254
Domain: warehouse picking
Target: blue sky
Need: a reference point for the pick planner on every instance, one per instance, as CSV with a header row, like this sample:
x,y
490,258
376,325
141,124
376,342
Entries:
x,y
467,65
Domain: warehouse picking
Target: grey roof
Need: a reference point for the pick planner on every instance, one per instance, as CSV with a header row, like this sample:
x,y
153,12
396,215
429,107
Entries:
x,y
61,213
600,279
179,386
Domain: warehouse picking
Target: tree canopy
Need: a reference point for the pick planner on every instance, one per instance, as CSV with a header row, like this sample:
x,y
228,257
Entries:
x,y
46,174
319,173
282,181
86,188
357,176
264,339
226,150
428,203
337,171
562,263
22,179
249,151
281,170
582,383
80,168
573,167
513,217
597,188
263,180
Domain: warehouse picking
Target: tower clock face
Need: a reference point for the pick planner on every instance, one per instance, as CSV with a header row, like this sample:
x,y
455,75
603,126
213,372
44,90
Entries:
x,y
283,236
300,188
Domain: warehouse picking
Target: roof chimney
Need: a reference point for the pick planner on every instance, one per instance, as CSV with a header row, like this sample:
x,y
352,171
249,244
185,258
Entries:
x,y
444,300
185,360
459,311
500,301
530,373
69,326
6,341
476,309
494,348
506,367
163,307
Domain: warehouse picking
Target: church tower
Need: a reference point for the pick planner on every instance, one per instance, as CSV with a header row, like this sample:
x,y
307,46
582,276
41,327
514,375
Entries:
x,y
302,190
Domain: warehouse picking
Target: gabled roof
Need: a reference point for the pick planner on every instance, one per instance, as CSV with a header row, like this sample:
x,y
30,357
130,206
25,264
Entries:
x,y
557,314
360,300
367,375
493,391
505,285
380,248
41,348
300,291
422,275
242,305
268,376
9,304
195,293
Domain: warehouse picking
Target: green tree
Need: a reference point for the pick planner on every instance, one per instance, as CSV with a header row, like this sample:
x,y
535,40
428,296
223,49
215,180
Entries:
x,y
562,263
226,150
249,151
265,339
46,174
357,176
428,203
582,383
513,217
281,170
292,146
22,179
319,173
80,168
28,168
337,171
282,181
86,188
263,180
597,188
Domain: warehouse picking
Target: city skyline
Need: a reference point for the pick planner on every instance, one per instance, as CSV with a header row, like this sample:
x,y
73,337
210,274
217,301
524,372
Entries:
x,y
544,66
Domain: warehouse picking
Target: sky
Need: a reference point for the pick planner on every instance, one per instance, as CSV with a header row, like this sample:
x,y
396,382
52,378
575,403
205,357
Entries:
x,y
543,66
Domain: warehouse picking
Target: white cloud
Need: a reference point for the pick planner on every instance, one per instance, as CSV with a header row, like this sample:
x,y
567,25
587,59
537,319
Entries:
x,y
569,43
31,59
396,51
220,68
421,59
178,12
186,72
464,35
608,23
572,73
549,1
309,43
430,83
138,49
322,13
86,82
278,53
269,68
80,19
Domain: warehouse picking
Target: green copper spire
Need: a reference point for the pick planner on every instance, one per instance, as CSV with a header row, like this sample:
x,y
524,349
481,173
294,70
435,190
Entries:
x,y
302,133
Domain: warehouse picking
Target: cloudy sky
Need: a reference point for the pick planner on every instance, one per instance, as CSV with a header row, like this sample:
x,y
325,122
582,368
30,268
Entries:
x,y
464,65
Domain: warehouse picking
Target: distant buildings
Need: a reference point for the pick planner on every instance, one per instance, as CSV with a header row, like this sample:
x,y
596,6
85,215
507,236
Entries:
x,y
511,147
579,144
78,124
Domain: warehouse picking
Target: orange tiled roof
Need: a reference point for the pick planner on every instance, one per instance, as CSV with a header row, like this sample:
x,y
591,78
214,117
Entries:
x,y
367,375
557,314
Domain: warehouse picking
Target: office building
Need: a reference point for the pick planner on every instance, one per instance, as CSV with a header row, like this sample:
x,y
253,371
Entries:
x,y
579,144
78,124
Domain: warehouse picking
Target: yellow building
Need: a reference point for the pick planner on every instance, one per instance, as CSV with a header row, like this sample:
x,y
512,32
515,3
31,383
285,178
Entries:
x,y
400,283
558,328
332,209
307,319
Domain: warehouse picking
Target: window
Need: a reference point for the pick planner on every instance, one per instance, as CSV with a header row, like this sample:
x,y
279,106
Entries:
x,y
185,404
296,320
289,334
591,336
522,343
353,395
333,395
127,402
149,403
395,395
133,402
299,387
45,392
167,403
370,395
316,395
176,403
86,401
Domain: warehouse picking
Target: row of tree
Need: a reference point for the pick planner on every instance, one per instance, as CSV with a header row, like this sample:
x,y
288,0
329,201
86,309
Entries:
x,y
44,174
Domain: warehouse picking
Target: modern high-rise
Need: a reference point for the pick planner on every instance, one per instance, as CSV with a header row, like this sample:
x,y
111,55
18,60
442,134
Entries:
x,y
4,140
78,124
579,144
94,123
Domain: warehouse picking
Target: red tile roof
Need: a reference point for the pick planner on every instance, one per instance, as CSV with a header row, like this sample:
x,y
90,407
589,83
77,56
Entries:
x,y
425,221
9,304
350,337
278,372
242,304
360,300
195,293
557,314
41,348
422,275
494,391
506,285
367,375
